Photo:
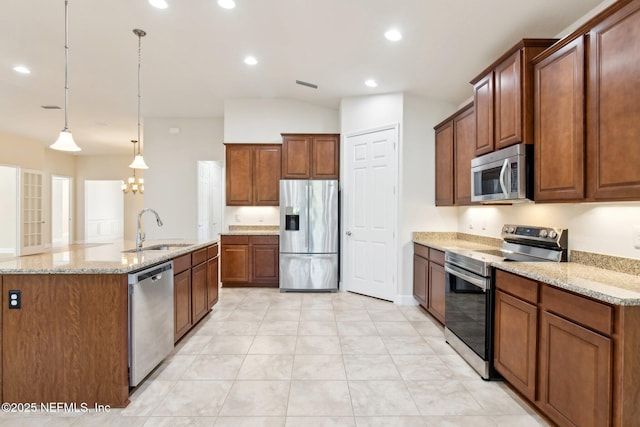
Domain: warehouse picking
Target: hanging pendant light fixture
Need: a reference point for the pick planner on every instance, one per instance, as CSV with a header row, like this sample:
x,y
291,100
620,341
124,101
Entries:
x,y
65,140
138,161
133,184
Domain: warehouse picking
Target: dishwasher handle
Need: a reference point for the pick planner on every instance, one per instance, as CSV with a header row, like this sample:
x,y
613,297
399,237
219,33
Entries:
x,y
154,273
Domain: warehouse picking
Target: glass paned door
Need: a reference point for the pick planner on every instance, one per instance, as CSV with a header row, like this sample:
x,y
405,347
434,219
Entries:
x,y
31,218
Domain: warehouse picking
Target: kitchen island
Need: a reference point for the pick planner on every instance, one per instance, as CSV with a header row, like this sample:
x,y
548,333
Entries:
x,y
67,339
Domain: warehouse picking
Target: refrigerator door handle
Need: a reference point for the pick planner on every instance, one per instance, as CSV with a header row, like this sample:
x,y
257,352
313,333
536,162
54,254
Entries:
x,y
306,231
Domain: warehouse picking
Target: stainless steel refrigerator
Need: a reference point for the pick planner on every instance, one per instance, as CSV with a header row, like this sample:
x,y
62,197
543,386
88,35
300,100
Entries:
x,y
308,235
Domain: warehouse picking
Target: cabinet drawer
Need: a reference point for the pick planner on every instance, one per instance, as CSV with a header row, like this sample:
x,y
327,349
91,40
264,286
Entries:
x,y
421,251
199,256
517,286
235,240
212,251
436,256
181,263
589,313
265,240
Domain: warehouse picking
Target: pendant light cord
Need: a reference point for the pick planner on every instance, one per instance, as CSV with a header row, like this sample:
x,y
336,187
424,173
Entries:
x,y
66,63
140,34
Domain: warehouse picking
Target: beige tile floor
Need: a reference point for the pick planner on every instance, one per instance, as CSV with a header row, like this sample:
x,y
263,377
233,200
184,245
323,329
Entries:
x,y
263,358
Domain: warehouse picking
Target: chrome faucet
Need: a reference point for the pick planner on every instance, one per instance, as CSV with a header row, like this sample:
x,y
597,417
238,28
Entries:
x,y
141,235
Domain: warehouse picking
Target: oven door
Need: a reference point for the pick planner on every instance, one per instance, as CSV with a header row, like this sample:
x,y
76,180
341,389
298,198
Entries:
x,y
467,309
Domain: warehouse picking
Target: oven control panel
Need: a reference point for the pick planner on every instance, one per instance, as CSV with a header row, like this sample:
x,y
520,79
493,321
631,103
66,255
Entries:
x,y
548,236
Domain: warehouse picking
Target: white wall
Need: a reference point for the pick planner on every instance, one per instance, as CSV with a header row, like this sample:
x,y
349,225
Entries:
x,y
262,121
106,168
171,182
605,228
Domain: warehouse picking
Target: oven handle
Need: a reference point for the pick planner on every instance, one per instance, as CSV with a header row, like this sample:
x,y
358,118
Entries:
x,y
458,272
503,184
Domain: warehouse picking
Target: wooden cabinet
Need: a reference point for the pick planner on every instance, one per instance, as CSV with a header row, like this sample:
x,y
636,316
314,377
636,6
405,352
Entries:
x,y
587,109
429,280
455,139
570,355
310,156
516,331
420,273
503,98
464,136
575,373
559,125
444,164
613,107
253,174
212,275
436,288
195,287
199,289
250,260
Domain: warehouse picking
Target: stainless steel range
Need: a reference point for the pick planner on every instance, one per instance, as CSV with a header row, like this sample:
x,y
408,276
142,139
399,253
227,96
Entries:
x,y
469,293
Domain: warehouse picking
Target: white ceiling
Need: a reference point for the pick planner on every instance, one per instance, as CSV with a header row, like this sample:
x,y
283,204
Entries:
x,y
192,56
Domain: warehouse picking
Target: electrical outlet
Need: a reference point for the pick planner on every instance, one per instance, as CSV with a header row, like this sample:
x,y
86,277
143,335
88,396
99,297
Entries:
x,y
237,218
636,236
15,299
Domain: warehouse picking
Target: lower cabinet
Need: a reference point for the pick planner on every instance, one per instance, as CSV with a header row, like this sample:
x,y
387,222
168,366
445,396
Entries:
x,y
195,288
250,260
429,280
566,353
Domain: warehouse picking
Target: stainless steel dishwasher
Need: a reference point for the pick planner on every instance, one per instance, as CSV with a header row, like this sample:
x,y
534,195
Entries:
x,y
150,319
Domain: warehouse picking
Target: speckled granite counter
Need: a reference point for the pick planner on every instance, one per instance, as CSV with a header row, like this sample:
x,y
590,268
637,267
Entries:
x,y
97,258
252,230
605,285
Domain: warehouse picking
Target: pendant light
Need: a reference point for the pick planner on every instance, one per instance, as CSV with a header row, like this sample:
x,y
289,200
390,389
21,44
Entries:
x,y
133,184
138,161
65,140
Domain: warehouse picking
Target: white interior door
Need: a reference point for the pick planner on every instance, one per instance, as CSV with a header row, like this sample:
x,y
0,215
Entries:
x,y
370,200
31,216
60,210
209,199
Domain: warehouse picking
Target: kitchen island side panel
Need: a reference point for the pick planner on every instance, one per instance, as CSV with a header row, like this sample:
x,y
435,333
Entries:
x,y
68,341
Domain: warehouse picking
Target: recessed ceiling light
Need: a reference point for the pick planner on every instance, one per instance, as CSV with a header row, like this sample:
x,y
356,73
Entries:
x,y
227,4
371,83
393,35
250,60
21,69
160,4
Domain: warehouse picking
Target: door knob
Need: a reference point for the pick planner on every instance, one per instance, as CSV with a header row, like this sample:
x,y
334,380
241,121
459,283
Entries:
x,y
348,233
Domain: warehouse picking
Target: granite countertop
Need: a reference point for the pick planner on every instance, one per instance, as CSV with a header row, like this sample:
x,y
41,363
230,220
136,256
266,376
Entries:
x,y
252,230
609,286
98,258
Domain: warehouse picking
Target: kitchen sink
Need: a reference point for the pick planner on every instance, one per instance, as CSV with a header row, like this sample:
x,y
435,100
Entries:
x,y
158,247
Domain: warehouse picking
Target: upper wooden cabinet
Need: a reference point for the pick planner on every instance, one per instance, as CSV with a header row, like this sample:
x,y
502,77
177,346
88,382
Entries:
x,y
455,147
586,111
253,174
559,125
613,107
464,137
310,156
503,98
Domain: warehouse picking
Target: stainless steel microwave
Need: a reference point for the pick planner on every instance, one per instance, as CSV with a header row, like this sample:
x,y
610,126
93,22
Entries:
x,y
503,176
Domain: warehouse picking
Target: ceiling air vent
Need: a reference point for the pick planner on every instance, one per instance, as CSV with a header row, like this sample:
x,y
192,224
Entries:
x,y
307,84
50,107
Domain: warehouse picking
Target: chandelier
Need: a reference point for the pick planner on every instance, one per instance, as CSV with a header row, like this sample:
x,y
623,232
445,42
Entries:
x,y
133,184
